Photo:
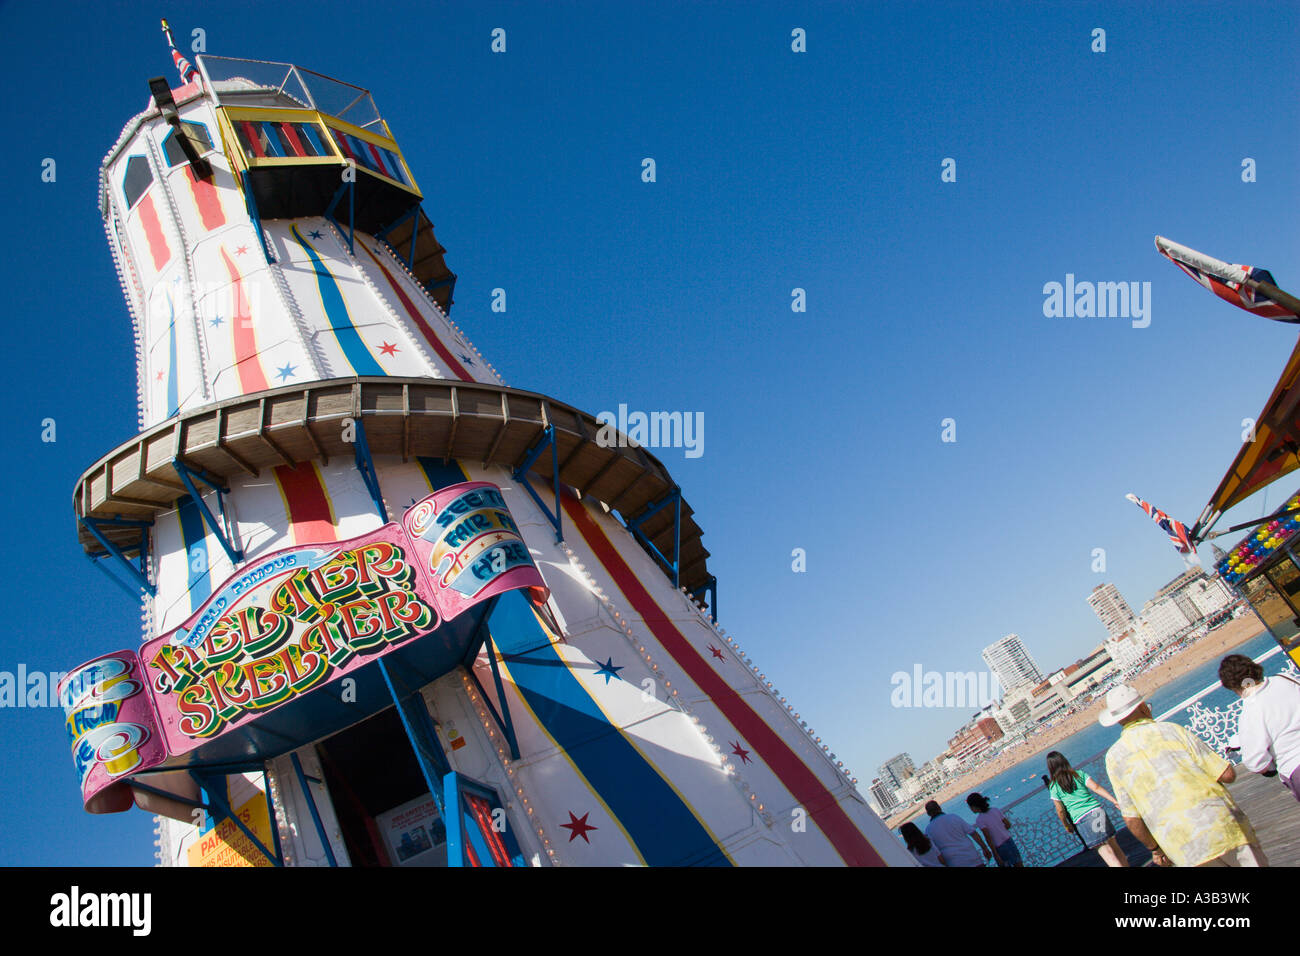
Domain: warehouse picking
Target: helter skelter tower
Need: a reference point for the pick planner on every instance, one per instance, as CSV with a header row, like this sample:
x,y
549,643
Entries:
x,y
395,611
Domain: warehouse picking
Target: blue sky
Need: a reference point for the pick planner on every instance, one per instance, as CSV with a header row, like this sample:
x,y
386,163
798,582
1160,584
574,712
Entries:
x,y
775,171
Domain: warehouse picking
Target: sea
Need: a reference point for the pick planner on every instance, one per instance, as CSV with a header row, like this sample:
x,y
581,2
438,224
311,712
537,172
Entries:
x,y
1026,777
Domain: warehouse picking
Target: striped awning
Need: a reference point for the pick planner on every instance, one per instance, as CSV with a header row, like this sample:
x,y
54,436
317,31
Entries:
x,y
1274,453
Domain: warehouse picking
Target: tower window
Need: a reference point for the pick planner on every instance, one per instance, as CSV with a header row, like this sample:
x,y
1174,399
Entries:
x,y
138,178
198,136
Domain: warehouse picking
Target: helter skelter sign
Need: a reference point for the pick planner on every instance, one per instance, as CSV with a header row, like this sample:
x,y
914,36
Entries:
x,y
286,624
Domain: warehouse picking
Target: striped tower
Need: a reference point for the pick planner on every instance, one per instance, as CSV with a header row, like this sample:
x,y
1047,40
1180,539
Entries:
x,y
300,383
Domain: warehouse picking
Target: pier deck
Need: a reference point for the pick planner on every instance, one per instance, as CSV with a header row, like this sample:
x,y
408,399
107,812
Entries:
x,y
1273,811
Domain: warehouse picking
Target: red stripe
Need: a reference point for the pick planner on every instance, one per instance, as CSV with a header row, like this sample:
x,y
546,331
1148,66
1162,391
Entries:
x,y
812,795
251,377
425,329
207,200
379,161
310,517
153,233
495,845
254,139
291,135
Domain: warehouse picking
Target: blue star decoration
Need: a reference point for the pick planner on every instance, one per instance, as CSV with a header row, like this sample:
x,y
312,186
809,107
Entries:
x,y
467,359
608,670
216,322
286,372
315,234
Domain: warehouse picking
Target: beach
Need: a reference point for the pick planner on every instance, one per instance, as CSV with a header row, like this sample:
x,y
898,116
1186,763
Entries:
x,y
1216,644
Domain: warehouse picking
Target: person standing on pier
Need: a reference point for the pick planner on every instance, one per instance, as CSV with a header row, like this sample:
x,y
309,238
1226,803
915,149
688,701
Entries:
x,y
952,835
1072,793
995,826
926,853
1171,790
1269,727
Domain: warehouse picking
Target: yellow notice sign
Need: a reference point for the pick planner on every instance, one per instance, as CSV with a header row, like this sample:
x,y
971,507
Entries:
x,y
226,845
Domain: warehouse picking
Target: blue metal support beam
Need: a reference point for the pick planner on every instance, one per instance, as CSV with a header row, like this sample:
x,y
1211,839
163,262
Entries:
x,y
421,733
348,186
311,805
711,586
509,726
251,205
366,465
137,571
453,820
158,791
414,217
188,475
214,787
521,475
673,497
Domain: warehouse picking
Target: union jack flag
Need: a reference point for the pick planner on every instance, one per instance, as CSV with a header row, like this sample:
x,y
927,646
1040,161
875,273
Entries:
x,y
183,67
1176,530
1226,280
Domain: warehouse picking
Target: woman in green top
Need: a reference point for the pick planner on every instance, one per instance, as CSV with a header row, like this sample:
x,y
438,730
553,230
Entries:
x,y
1079,810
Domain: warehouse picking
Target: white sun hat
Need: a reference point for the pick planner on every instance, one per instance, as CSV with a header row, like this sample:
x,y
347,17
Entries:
x,y
1120,702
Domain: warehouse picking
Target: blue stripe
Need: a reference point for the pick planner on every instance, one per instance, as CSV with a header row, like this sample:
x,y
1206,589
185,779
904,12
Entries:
x,y
471,832
354,349
664,830
272,139
440,475
659,823
196,543
310,132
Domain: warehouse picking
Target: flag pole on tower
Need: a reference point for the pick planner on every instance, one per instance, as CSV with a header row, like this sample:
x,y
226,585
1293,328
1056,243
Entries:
x,y
183,67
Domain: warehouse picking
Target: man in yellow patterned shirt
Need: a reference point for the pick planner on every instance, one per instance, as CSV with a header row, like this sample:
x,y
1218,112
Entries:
x,y
1170,790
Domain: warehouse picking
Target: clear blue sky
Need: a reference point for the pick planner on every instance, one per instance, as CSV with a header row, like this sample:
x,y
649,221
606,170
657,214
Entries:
x,y
776,170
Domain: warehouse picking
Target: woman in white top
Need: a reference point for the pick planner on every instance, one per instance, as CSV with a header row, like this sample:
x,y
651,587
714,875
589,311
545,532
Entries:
x,y
1269,727
926,853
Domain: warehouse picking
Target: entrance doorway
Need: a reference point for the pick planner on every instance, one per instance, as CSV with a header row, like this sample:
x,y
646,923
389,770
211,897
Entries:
x,y
386,814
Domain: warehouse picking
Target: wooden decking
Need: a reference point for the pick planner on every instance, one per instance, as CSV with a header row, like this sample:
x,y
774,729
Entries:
x,y
439,418
1273,812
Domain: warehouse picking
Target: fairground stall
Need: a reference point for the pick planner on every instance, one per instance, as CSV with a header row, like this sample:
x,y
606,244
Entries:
x,y
1263,565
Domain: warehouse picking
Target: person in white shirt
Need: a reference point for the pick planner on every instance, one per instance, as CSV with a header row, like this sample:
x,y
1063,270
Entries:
x,y
925,852
1268,731
995,826
952,835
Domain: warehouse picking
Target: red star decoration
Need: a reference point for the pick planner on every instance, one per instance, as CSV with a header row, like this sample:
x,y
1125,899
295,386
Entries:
x,y
740,752
578,827
389,349
716,653
241,250
160,375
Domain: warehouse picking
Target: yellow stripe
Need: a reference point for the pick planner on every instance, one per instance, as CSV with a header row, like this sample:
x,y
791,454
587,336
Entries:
x,y
632,743
565,754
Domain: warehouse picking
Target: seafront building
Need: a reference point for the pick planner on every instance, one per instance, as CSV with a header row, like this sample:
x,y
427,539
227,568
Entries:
x,y
1112,609
885,795
1127,649
896,770
1010,661
975,738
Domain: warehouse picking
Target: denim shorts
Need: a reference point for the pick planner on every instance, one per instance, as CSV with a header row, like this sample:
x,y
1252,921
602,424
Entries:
x,y
1095,827
1009,853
